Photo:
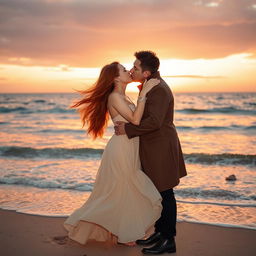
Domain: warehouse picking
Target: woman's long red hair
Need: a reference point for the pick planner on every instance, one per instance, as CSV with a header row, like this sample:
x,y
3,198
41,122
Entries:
x,y
93,106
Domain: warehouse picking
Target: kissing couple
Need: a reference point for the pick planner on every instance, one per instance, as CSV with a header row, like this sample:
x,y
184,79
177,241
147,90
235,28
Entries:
x,y
141,163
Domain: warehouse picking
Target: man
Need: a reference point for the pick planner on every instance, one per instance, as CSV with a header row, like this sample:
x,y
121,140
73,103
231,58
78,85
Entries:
x,y
160,151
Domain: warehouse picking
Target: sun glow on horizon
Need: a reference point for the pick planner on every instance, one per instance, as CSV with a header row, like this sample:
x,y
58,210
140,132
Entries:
x,y
232,73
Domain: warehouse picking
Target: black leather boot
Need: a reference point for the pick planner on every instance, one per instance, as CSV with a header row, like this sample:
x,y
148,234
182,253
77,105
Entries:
x,y
155,237
162,246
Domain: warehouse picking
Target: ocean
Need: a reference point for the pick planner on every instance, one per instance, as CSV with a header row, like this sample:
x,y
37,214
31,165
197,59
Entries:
x,y
48,163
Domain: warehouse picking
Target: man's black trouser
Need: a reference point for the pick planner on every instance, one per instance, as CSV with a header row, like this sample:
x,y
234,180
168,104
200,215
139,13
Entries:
x,y
166,224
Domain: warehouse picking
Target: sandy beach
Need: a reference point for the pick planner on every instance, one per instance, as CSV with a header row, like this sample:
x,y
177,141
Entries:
x,y
30,235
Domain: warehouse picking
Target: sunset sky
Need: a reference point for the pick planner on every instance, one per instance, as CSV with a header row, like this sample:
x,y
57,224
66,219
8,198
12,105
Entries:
x,y
60,45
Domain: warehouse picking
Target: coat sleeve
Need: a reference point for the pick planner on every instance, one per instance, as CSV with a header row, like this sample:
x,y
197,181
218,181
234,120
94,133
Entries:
x,y
157,104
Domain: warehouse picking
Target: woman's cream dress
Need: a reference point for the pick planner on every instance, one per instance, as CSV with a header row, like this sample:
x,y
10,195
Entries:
x,y
124,203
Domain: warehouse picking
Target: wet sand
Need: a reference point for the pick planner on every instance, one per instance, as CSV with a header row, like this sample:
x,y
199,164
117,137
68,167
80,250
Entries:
x,y
31,235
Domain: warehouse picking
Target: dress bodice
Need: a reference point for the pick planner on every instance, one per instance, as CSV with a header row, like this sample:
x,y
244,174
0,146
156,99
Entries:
x,y
120,118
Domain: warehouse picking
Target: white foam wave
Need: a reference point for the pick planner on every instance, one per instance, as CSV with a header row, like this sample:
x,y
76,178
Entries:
x,y
216,203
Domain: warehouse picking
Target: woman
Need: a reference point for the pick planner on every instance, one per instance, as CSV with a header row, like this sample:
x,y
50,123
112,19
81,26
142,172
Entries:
x,y
124,203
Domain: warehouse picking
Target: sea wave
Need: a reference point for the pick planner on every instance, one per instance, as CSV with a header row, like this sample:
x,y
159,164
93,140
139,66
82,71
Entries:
x,y
39,101
226,203
82,153
23,110
233,128
221,159
41,182
62,131
28,152
218,128
185,195
226,110
56,110
220,194
17,109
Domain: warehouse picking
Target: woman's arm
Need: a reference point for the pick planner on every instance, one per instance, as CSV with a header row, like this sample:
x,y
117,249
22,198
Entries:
x,y
119,104
158,104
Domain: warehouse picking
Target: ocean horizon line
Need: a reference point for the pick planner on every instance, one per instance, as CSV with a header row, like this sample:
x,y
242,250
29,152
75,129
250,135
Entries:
x,y
176,92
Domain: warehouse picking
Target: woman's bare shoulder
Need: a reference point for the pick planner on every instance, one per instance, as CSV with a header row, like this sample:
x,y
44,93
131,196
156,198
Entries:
x,y
113,96
112,99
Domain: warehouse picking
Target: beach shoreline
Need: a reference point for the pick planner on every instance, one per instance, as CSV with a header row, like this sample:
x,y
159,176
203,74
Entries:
x,y
26,234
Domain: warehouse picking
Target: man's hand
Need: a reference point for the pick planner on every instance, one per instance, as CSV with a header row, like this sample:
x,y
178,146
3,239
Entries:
x,y
119,128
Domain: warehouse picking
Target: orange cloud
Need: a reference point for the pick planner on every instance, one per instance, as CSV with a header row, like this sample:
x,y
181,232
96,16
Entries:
x,y
92,33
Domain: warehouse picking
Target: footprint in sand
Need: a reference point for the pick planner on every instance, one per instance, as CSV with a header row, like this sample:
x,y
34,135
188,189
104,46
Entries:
x,y
60,239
